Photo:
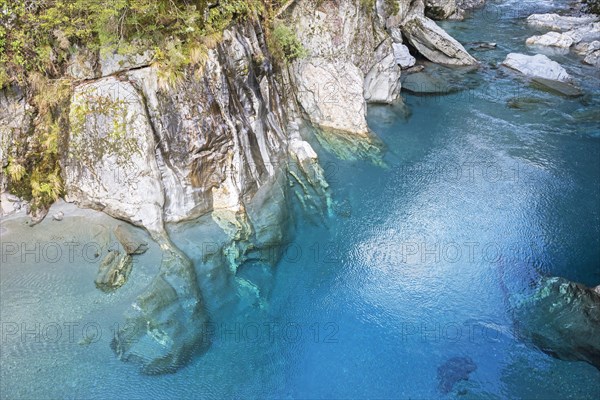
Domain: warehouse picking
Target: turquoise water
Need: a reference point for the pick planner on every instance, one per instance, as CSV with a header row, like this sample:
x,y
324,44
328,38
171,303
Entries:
x,y
420,263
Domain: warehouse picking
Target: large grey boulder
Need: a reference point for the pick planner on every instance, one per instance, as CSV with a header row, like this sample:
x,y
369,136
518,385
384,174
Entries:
x,y
382,82
111,164
331,94
433,42
557,22
350,61
554,39
538,66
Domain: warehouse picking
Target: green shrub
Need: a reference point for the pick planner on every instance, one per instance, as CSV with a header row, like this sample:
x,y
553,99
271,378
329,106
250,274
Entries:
x,y
592,6
284,44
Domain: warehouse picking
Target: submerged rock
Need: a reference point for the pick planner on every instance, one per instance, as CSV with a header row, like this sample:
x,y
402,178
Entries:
x,y
562,88
114,271
562,319
166,325
482,46
538,66
454,370
130,241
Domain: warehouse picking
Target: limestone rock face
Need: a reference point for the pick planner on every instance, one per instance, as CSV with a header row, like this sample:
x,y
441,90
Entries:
x,y
556,22
331,94
538,66
433,42
382,83
111,164
112,62
350,61
16,118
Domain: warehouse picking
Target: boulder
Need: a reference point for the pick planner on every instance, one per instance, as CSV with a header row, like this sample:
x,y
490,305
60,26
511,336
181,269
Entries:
x,y
402,56
554,39
538,66
557,22
434,43
562,318
562,88
593,58
130,241
382,82
113,271
454,371
167,325
587,33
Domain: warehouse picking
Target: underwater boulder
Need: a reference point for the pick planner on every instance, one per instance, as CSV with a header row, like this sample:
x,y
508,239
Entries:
x,y
454,370
114,271
562,319
167,324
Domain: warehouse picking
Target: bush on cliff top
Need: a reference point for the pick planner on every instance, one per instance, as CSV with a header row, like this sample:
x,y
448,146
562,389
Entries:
x,y
37,38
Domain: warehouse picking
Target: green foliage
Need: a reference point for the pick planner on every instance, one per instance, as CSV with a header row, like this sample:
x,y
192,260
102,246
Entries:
x,y
391,7
284,44
592,6
37,38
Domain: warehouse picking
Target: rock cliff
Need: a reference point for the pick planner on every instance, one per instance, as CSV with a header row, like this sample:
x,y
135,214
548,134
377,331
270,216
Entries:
x,y
225,141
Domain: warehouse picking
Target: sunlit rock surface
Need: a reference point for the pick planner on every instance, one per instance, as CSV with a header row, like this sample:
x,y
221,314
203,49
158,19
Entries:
x,y
538,66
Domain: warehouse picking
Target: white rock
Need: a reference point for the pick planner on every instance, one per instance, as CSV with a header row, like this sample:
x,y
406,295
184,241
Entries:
x,y
331,94
586,33
553,39
434,43
111,163
559,23
593,58
382,82
585,48
402,56
538,66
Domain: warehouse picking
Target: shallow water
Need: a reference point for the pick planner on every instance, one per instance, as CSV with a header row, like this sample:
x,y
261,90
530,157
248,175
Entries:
x,y
421,266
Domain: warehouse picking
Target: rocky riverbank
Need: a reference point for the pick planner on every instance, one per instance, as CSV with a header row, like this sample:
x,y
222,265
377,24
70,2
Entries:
x,y
228,142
